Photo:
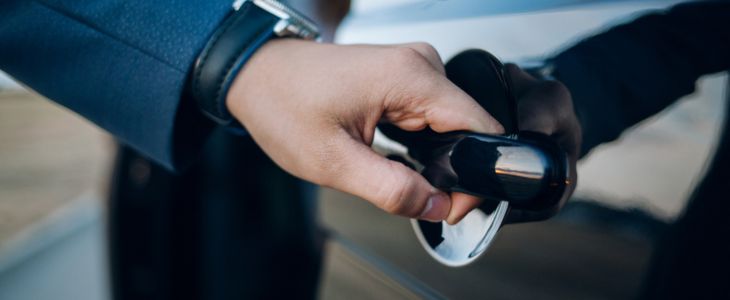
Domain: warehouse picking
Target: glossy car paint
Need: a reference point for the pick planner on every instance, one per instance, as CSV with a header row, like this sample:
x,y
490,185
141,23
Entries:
x,y
598,247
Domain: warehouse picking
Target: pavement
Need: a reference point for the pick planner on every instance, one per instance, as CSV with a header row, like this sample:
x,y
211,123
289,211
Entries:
x,y
62,256
48,156
53,169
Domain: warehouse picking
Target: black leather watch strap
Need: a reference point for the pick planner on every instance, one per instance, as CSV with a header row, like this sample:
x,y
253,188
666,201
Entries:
x,y
233,43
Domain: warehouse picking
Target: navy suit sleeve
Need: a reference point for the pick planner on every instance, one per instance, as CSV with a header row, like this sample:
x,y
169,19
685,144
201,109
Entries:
x,y
632,71
122,64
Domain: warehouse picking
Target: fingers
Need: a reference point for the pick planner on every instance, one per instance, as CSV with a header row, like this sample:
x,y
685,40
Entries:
x,y
521,80
421,97
539,118
461,204
546,106
387,184
449,108
440,105
443,107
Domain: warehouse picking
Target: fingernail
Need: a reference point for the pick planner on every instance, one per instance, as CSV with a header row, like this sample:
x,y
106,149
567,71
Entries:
x,y
437,208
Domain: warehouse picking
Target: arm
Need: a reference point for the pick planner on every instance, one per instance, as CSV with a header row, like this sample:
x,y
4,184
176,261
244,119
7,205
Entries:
x,y
619,77
124,64
120,64
311,107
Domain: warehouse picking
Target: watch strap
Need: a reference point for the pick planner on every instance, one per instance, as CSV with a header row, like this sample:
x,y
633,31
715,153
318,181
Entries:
x,y
232,44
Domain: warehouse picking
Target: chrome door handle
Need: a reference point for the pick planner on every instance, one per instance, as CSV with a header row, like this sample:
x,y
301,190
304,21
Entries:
x,y
526,169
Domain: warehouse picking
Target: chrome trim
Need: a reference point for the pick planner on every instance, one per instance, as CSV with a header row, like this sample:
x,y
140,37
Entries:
x,y
291,23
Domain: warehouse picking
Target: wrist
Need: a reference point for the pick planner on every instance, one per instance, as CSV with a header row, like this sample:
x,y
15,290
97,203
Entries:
x,y
263,72
253,76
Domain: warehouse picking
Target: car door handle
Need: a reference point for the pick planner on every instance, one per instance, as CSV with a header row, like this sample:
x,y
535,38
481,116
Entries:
x,y
517,172
527,169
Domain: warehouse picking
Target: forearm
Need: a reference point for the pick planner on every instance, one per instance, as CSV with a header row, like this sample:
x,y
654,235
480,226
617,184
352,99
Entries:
x,y
620,77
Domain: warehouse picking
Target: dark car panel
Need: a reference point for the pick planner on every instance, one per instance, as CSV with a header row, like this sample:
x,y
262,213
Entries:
x,y
608,242
557,259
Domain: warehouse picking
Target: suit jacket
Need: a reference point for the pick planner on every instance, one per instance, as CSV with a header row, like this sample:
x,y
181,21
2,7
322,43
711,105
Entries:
x,y
122,64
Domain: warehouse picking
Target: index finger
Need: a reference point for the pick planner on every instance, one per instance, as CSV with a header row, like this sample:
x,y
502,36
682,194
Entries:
x,y
461,205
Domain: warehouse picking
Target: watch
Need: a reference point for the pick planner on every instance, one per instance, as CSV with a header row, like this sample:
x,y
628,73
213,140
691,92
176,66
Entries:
x,y
251,24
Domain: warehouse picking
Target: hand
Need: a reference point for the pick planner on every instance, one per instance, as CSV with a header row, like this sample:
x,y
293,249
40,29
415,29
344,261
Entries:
x,y
313,109
542,106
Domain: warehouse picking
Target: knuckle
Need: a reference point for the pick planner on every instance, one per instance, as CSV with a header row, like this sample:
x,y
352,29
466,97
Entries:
x,y
395,199
406,57
556,89
426,49
410,75
513,69
512,66
563,100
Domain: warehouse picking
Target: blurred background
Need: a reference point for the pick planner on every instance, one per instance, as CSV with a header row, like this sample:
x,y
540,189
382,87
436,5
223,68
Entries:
x,y
55,166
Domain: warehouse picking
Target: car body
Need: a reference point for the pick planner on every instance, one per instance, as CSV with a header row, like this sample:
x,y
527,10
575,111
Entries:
x,y
606,243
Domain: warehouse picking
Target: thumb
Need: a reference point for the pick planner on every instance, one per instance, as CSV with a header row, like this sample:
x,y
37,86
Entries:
x,y
387,184
449,108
